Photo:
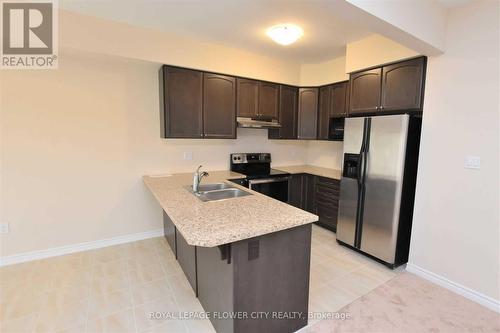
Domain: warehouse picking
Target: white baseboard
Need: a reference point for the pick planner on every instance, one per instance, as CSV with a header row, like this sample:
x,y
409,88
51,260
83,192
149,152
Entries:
x,y
473,295
61,250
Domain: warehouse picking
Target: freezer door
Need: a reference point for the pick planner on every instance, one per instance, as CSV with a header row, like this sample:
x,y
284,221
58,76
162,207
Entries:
x,y
385,159
348,202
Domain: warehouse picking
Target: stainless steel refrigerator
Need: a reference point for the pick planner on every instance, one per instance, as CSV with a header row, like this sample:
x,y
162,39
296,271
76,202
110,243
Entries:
x,y
377,188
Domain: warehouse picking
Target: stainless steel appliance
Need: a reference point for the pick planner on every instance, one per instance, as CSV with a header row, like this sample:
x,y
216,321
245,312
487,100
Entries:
x,y
258,122
259,175
377,188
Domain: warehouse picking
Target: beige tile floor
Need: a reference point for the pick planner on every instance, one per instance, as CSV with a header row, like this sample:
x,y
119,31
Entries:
x,y
115,288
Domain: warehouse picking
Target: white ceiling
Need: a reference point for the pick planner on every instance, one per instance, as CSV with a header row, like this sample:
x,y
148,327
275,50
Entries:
x,y
236,23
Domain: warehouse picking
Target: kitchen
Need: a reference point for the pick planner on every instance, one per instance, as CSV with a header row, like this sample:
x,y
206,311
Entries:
x,y
106,174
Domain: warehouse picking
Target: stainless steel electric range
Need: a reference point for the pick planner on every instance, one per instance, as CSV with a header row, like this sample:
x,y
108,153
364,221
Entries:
x,y
259,175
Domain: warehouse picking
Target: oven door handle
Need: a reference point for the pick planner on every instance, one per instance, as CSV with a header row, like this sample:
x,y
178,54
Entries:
x,y
268,180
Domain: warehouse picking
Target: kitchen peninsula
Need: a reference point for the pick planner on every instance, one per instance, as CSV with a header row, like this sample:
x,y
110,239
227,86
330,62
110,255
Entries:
x,y
244,255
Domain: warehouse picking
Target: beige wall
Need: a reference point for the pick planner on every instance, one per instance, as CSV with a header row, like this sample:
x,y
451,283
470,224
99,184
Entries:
x,y
367,52
89,34
76,141
374,50
456,221
323,73
325,154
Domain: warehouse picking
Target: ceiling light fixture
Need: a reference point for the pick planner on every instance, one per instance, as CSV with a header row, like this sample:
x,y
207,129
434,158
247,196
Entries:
x,y
285,34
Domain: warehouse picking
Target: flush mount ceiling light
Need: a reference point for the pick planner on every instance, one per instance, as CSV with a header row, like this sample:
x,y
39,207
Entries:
x,y
285,34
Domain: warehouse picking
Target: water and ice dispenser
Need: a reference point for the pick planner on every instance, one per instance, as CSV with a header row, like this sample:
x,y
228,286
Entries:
x,y
351,165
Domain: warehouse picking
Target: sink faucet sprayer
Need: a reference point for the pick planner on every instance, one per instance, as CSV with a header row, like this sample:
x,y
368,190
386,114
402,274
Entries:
x,y
197,176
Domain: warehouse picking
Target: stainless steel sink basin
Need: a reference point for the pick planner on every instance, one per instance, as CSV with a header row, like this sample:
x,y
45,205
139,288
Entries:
x,y
223,194
213,187
217,191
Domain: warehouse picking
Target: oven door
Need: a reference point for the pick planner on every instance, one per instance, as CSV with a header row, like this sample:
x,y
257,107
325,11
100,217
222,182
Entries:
x,y
276,187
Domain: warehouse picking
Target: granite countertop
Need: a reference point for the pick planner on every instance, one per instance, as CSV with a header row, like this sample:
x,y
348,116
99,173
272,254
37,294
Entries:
x,y
313,170
216,223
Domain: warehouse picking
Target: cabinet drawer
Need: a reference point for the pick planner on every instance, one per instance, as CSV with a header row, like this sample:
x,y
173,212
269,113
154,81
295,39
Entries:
x,y
327,215
327,201
328,182
326,211
327,191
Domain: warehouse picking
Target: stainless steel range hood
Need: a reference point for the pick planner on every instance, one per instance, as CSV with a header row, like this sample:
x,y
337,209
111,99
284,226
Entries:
x,y
257,122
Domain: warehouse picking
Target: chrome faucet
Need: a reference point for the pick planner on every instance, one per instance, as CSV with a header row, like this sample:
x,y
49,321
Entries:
x,y
197,176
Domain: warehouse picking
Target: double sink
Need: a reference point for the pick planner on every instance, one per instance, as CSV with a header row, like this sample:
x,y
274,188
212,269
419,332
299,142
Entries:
x,y
217,192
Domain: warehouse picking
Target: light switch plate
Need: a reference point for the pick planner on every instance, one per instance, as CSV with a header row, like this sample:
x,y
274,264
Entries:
x,y
472,162
188,156
4,228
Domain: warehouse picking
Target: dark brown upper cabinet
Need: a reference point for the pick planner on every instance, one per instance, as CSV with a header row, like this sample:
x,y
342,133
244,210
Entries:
x,y
247,104
366,90
268,100
332,104
288,99
324,110
393,88
219,106
340,99
307,113
402,85
181,94
256,98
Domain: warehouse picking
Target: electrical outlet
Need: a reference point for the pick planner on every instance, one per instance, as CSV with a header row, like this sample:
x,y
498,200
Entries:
x,y
472,162
188,156
4,228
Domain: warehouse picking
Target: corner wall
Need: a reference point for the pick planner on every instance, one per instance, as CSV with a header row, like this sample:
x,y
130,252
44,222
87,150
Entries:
x,y
456,224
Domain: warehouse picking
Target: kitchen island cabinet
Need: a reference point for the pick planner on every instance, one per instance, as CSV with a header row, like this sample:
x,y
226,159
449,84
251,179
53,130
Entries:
x,y
248,256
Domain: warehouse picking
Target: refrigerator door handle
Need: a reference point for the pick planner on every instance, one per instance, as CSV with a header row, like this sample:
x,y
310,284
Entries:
x,y
363,159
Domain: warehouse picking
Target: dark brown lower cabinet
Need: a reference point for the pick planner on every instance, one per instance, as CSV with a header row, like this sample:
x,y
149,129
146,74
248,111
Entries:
x,y
309,191
296,195
186,256
269,273
318,195
265,274
169,232
327,201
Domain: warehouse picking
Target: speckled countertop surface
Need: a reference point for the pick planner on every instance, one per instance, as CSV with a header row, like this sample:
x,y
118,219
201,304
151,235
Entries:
x,y
215,223
313,170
